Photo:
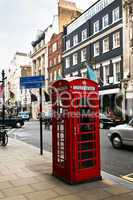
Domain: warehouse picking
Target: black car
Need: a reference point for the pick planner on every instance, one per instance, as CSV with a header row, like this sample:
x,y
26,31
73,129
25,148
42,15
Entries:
x,y
14,122
107,122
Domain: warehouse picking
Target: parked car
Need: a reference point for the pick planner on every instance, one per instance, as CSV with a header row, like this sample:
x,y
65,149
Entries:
x,y
107,122
24,115
122,134
14,122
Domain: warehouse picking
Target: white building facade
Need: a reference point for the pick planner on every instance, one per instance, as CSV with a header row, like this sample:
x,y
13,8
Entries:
x,y
15,97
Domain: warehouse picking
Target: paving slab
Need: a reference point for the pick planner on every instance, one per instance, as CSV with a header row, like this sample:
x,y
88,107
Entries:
x,y
25,175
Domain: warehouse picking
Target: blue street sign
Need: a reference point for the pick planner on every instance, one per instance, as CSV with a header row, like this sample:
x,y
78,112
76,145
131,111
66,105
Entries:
x,y
32,82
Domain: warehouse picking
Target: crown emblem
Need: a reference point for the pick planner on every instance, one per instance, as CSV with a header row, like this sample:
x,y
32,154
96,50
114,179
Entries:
x,y
84,82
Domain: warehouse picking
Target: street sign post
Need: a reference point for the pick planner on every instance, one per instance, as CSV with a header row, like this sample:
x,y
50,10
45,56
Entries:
x,y
35,82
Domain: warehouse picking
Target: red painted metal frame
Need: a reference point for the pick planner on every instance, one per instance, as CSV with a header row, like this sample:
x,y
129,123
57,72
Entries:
x,y
76,152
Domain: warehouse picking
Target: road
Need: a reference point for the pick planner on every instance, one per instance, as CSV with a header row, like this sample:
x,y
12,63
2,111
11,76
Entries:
x,y
115,162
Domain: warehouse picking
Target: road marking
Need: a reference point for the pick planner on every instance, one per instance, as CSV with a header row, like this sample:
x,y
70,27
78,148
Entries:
x,y
128,177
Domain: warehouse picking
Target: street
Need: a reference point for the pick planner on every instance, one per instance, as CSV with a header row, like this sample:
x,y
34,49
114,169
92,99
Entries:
x,y
115,162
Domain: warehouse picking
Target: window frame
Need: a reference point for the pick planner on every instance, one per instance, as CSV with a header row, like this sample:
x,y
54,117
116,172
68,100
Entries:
x,y
75,63
84,32
75,43
67,64
94,27
114,42
54,47
115,72
103,21
55,75
82,54
104,50
94,49
59,58
113,14
51,76
104,75
68,44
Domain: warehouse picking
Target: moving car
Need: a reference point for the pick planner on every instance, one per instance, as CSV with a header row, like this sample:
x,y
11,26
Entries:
x,y
24,115
121,135
14,122
107,122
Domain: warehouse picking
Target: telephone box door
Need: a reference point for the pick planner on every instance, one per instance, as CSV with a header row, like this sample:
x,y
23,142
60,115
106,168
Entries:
x,y
86,137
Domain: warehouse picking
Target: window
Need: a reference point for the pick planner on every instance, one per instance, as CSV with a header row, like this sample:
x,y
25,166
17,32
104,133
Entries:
x,y
116,14
59,58
105,45
116,40
59,71
84,34
55,74
51,76
67,62
67,76
88,14
54,47
75,73
106,74
50,63
96,49
105,21
117,74
83,55
84,73
67,44
75,59
50,50
75,40
55,61
96,26
97,71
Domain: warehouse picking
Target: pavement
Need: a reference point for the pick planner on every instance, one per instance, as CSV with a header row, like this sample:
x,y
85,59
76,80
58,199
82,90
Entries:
x,y
25,175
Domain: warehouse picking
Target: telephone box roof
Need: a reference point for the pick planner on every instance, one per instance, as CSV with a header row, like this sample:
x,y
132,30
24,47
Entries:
x,y
71,80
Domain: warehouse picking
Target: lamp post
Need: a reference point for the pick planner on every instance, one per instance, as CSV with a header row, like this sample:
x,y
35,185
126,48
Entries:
x,y
125,86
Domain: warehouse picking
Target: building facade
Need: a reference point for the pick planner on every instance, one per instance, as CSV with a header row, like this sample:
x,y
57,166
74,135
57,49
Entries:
x,y
66,12
96,38
127,85
54,58
17,99
39,58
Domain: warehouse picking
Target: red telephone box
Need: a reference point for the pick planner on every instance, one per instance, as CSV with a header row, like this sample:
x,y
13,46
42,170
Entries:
x,y
75,130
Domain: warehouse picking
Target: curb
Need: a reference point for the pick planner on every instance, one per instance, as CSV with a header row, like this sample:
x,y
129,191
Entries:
x,y
117,180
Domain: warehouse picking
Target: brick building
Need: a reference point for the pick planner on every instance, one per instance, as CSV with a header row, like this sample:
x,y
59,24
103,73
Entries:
x,y
54,57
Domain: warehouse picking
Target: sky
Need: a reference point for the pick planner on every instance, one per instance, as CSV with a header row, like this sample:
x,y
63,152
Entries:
x,y
19,22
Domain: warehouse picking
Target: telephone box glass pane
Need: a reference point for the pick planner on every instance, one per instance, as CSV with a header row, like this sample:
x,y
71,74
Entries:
x,y
87,135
